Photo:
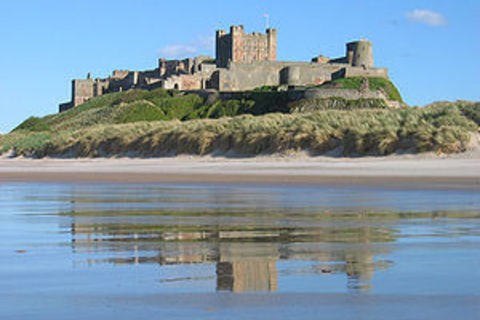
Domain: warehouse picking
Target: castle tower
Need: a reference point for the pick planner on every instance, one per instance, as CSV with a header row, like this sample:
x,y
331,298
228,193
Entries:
x,y
238,46
272,44
360,54
82,90
223,47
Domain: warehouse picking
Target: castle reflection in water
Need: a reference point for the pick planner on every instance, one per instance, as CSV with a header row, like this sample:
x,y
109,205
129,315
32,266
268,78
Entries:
x,y
245,256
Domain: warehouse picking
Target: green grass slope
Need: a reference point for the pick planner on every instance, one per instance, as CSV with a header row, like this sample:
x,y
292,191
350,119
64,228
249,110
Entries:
x,y
122,107
156,105
374,84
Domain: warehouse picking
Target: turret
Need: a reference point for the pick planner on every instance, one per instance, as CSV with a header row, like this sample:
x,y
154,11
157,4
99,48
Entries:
x,y
223,52
272,44
360,54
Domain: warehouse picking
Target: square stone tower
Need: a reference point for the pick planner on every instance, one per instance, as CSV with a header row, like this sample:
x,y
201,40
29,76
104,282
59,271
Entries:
x,y
82,90
238,46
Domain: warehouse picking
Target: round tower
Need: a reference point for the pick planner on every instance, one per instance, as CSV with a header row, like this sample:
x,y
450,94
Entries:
x,y
360,54
293,75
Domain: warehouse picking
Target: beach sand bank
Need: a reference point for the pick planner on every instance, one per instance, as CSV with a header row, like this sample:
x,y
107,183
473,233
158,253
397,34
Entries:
x,y
408,171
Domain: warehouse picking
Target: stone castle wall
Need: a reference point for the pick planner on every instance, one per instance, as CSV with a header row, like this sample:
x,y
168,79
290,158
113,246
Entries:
x,y
350,72
348,94
244,61
248,76
314,93
82,90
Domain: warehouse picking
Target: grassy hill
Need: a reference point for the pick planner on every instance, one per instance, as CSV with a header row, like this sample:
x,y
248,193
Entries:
x,y
156,105
143,105
159,123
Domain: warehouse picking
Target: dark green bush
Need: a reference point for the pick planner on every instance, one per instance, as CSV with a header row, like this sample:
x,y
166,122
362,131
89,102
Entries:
x,y
266,89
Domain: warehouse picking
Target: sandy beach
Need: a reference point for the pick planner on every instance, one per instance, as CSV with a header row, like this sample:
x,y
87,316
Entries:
x,y
428,170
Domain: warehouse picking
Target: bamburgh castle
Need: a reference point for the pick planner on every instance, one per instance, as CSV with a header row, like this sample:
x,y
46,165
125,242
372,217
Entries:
x,y
243,61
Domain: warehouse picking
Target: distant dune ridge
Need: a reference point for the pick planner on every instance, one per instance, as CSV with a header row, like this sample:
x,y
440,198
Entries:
x,y
167,123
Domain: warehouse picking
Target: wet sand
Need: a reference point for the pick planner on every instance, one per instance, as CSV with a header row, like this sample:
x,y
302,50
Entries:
x,y
397,171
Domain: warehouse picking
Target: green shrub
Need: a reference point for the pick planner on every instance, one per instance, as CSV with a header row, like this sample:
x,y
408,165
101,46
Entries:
x,y
266,89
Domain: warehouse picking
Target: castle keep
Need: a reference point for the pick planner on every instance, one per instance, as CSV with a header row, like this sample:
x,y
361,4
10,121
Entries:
x,y
243,62
238,46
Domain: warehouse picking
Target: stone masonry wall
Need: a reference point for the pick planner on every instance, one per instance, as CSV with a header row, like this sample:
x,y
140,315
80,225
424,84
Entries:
x,y
248,76
295,95
82,90
238,46
349,72
349,94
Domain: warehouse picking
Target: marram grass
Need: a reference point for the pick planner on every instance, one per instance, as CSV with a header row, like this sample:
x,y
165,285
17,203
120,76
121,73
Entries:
x,y
351,133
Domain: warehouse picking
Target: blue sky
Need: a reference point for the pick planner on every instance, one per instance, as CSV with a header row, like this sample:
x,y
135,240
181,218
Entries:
x,y
431,47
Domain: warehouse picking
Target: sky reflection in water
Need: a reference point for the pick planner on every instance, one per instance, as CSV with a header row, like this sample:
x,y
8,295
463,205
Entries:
x,y
243,239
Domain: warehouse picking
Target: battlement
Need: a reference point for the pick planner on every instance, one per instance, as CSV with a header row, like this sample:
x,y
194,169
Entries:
x,y
236,29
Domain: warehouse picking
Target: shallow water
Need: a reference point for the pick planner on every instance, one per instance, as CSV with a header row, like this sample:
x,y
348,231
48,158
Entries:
x,y
71,251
